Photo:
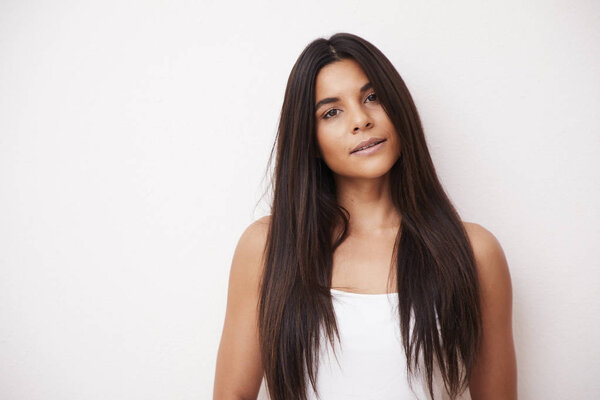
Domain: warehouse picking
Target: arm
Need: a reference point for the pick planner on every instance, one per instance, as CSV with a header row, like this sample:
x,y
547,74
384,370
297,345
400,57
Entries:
x,y
239,368
495,371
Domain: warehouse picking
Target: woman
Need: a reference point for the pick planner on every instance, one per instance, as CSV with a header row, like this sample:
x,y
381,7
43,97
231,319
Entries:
x,y
363,283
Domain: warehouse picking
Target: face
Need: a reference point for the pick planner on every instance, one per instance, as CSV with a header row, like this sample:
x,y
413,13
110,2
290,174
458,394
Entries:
x,y
348,113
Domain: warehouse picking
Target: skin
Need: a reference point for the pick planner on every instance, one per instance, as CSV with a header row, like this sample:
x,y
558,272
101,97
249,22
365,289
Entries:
x,y
362,263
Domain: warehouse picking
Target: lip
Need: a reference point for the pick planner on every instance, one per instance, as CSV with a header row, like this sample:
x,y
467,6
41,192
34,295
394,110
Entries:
x,y
367,142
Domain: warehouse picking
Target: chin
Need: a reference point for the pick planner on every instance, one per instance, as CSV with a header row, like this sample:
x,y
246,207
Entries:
x,y
371,172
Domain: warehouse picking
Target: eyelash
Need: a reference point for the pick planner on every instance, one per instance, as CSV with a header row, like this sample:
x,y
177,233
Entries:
x,y
331,116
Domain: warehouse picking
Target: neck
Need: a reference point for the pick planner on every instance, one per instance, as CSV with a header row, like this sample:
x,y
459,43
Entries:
x,y
369,202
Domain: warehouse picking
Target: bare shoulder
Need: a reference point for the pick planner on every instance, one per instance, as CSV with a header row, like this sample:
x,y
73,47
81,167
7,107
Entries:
x,y
254,237
489,255
248,255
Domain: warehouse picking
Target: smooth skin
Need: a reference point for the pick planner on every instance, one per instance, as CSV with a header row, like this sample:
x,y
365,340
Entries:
x,y
359,265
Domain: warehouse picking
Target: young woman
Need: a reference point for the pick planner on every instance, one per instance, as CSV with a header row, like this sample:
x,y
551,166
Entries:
x,y
363,283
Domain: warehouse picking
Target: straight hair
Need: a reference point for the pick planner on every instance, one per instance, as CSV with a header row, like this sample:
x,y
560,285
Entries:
x,y
437,285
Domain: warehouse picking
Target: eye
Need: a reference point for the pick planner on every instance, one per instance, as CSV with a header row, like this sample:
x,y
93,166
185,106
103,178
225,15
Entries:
x,y
372,95
328,114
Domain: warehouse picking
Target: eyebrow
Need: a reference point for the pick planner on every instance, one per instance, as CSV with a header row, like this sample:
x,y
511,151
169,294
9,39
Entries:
x,y
328,100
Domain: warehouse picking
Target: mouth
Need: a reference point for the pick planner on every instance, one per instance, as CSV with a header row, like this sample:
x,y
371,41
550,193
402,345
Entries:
x,y
368,146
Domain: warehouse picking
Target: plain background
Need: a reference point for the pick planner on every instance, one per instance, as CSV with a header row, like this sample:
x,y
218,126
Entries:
x,y
134,137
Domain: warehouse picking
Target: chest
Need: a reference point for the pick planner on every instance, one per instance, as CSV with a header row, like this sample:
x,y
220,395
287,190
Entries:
x,y
363,264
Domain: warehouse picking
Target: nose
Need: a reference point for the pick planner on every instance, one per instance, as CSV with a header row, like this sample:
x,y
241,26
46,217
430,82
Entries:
x,y
361,120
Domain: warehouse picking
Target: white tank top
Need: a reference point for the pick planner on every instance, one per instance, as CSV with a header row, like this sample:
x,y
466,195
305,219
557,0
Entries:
x,y
371,364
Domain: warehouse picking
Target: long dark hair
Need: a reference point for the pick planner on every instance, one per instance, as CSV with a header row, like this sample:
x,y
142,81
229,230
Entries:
x,y
437,276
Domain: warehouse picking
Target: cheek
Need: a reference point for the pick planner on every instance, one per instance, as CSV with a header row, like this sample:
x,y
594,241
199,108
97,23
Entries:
x,y
326,142
325,149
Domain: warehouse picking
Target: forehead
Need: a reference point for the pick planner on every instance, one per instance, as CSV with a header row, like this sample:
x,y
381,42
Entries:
x,y
339,77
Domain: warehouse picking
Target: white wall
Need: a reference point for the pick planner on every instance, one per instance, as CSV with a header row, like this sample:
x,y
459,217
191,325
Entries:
x,y
134,137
